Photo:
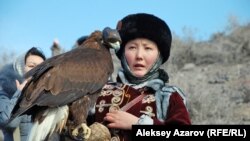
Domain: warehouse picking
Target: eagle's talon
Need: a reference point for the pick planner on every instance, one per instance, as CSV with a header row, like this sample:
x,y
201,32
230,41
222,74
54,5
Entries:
x,y
86,131
75,132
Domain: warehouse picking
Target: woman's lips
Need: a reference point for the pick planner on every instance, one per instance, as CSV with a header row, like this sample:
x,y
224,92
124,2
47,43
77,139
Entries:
x,y
138,66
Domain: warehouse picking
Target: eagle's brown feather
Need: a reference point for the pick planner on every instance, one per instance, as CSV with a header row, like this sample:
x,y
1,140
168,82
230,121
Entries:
x,y
79,72
73,78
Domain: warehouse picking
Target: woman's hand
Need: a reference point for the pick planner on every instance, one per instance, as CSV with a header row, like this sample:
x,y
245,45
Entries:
x,y
20,86
120,119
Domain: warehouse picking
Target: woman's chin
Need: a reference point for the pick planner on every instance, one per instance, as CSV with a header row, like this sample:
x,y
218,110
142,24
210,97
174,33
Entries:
x,y
139,74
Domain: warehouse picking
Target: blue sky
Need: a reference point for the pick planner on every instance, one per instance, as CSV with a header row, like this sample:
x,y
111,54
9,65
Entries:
x,y
27,23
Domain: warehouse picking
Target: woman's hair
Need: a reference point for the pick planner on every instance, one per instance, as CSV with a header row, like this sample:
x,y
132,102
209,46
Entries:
x,y
34,51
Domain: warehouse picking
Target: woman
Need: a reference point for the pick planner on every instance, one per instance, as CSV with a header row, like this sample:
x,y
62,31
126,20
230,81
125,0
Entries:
x,y
10,88
141,94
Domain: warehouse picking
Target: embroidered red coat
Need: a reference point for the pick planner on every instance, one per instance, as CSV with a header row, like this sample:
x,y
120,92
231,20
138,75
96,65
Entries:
x,y
116,95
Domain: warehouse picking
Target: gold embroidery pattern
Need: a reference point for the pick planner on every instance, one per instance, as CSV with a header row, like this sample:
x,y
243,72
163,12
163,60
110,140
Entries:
x,y
113,107
110,87
106,92
115,100
101,106
148,99
148,111
117,92
115,138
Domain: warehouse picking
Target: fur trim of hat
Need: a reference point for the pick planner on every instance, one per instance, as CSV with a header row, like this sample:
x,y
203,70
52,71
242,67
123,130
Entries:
x,y
142,25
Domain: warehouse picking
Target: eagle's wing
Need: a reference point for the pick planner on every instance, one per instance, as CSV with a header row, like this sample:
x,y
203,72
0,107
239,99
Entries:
x,y
67,77
73,80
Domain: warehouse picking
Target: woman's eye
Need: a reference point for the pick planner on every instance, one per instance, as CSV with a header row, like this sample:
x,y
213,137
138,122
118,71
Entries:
x,y
148,48
31,66
132,48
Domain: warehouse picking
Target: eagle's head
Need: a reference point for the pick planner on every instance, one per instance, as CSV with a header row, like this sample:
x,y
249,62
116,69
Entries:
x,y
111,38
108,37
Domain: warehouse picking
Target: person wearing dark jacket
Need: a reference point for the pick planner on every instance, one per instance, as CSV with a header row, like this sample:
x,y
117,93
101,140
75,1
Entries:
x,y
10,89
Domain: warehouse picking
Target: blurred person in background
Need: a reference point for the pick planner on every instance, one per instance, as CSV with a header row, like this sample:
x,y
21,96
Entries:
x,y
79,41
11,84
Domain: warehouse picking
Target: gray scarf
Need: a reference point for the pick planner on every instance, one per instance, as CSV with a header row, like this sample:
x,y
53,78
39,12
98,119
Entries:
x,y
162,92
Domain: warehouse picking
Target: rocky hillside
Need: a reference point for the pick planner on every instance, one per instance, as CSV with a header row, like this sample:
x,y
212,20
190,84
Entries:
x,y
215,75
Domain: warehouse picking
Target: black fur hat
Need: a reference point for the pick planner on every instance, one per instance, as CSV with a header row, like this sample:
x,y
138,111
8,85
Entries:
x,y
148,26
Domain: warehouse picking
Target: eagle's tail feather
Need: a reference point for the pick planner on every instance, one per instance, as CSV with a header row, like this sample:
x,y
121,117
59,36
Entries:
x,y
55,119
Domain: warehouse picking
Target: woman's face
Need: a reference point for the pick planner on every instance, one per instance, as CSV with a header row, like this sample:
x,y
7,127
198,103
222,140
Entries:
x,y
32,61
141,54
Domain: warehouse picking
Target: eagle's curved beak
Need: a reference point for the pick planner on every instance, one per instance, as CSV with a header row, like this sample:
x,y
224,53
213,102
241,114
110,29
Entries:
x,y
116,45
112,38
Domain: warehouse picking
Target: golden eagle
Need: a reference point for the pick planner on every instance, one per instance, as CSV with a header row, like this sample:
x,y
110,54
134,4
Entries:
x,y
61,90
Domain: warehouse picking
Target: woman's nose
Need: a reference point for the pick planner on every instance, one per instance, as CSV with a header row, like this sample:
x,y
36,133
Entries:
x,y
139,54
